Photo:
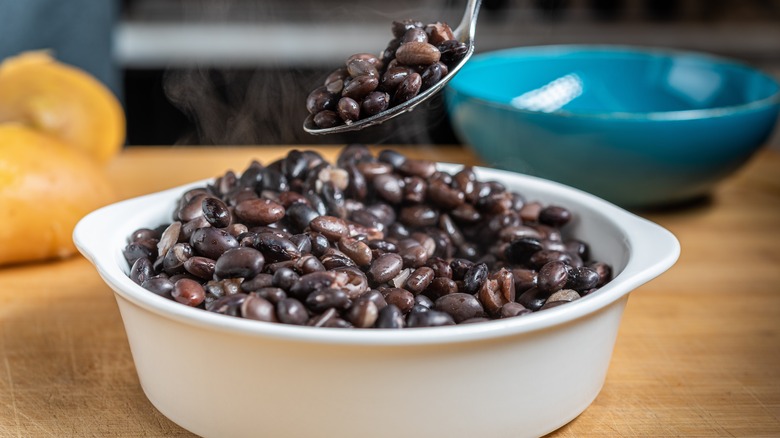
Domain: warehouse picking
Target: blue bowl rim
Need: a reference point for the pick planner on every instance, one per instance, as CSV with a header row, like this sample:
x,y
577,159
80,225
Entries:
x,y
693,114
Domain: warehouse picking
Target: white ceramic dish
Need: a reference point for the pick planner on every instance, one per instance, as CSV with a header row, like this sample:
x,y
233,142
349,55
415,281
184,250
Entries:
x,y
220,376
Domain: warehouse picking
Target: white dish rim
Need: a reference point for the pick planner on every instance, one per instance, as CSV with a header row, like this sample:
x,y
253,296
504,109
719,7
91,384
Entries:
x,y
652,250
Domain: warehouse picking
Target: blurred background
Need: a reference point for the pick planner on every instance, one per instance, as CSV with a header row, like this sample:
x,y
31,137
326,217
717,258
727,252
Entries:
x,y
239,71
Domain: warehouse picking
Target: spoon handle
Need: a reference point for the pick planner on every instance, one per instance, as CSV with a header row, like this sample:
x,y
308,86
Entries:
x,y
466,28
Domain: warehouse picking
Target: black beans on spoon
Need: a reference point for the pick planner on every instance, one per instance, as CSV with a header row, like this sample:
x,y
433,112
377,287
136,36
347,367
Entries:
x,y
370,89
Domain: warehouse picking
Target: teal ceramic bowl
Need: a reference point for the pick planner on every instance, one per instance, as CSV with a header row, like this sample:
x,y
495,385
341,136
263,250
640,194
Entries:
x,y
639,127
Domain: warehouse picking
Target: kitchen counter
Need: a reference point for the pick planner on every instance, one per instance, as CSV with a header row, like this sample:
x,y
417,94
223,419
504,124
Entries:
x,y
698,352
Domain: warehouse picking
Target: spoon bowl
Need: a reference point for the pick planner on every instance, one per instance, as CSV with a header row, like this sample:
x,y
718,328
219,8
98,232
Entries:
x,y
463,33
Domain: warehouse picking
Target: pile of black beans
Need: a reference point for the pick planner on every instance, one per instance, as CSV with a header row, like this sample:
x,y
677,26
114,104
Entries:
x,y
370,241
416,58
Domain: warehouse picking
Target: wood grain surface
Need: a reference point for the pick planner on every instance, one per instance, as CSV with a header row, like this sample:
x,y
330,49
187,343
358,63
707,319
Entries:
x,y
698,352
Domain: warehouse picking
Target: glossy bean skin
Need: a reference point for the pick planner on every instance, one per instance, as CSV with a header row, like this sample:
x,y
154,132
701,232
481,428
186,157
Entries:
x,y
292,311
385,267
239,262
333,228
390,317
368,242
188,292
420,279
418,53
216,212
460,306
431,318
212,242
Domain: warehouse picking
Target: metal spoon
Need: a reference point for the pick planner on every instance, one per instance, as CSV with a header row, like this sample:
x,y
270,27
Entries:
x,y
463,33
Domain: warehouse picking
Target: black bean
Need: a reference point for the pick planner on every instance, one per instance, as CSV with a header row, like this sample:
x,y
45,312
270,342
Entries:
x,y
392,158
399,28
544,256
239,262
393,77
356,187
308,264
401,298
363,313
141,270
216,212
408,88
301,215
555,216
524,279
192,209
258,308
353,281
512,309
137,250
420,279
417,53
390,317
604,271
440,267
312,281
324,299
325,319
583,278
553,276
413,254
439,32
291,311
272,294
431,318
452,51
418,216
321,99
332,258
533,298
460,306
389,187
284,278
326,119
295,164
359,87
319,243
333,228
496,291
520,250
212,242
160,285
432,75
189,292
414,190
228,305
259,211
439,287
357,66
276,248
385,267
202,267
259,281
414,34
474,278
302,242
358,251
348,109
143,234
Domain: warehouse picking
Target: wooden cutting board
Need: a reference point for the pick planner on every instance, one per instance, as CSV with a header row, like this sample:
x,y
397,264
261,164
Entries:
x,y
698,353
